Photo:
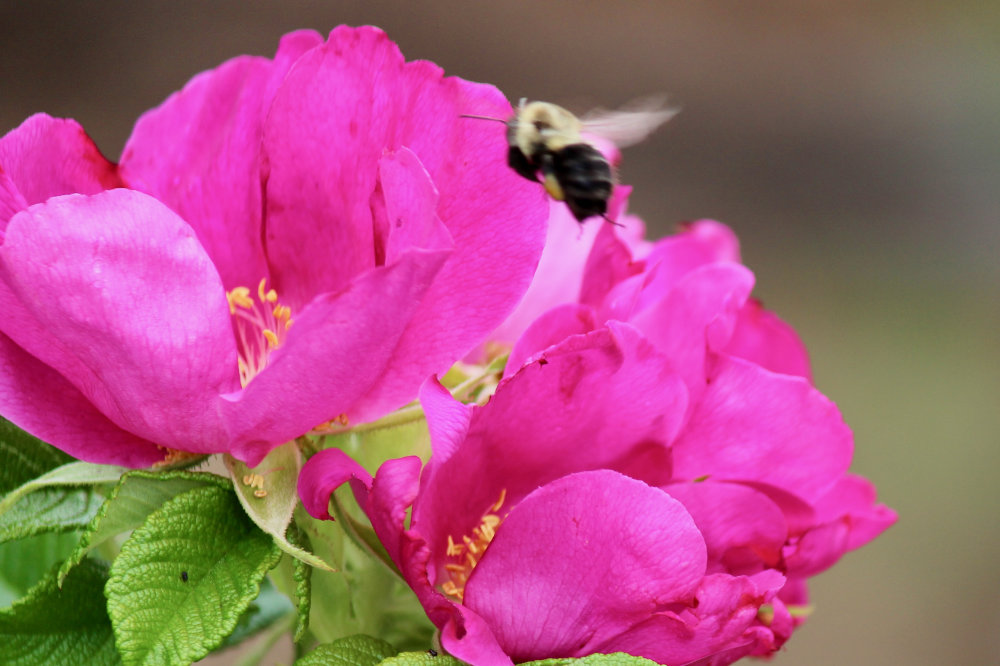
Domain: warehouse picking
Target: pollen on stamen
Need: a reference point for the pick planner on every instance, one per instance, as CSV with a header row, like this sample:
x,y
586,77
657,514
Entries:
x,y
466,555
260,326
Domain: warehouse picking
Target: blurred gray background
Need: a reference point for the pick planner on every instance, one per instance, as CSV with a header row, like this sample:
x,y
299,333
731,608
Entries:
x,y
853,146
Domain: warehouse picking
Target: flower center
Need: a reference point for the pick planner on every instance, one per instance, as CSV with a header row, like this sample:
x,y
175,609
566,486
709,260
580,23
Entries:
x,y
261,326
464,556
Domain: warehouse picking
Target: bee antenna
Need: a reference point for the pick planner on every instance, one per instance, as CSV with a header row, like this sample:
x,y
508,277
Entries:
x,y
610,221
467,115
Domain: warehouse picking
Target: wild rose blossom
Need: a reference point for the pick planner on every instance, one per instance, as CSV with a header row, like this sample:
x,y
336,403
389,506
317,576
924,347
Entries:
x,y
655,475
149,305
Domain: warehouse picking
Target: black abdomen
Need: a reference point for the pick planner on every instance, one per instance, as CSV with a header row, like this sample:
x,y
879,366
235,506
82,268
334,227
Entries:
x,y
584,175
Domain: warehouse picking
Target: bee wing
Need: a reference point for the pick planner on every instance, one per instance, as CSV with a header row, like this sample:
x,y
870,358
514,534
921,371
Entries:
x,y
630,124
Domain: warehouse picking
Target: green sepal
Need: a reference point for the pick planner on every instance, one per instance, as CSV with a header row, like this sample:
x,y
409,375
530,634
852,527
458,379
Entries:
x,y
184,578
138,494
357,650
60,626
269,495
302,575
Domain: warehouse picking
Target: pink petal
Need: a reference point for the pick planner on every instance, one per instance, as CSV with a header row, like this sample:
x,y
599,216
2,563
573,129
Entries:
x,y
11,200
114,292
601,400
760,336
609,263
743,529
449,424
722,619
199,153
339,109
586,557
324,473
560,271
46,157
40,401
695,315
754,425
550,329
468,637
847,518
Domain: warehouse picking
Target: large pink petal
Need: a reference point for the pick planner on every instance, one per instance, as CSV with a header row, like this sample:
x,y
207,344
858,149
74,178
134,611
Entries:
x,y
581,560
115,293
199,152
755,425
602,400
46,157
340,108
39,400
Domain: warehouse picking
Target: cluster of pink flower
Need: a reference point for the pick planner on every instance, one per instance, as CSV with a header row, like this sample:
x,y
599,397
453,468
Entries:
x,y
655,474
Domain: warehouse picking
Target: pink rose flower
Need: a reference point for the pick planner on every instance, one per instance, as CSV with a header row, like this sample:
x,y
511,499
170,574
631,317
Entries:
x,y
149,305
655,475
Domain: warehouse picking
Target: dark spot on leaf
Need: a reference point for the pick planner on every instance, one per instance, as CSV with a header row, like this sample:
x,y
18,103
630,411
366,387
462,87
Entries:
x,y
432,652
184,576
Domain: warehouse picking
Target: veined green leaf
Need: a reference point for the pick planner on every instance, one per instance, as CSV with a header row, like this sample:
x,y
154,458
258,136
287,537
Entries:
x,y
184,578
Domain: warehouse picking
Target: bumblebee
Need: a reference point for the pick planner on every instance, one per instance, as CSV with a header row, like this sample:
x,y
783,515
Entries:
x,y
547,143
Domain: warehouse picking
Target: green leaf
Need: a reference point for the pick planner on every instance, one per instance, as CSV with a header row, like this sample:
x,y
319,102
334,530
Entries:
x,y
25,562
74,475
426,658
358,650
27,462
24,457
184,578
138,494
60,626
49,510
269,494
616,659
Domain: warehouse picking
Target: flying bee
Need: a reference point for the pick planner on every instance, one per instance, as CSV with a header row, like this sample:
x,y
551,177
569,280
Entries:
x,y
547,143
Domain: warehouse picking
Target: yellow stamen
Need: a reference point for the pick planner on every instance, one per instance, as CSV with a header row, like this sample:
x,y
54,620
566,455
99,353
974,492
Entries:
x,y
260,325
470,551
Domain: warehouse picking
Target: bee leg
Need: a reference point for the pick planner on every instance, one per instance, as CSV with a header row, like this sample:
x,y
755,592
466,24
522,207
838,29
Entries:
x,y
549,179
